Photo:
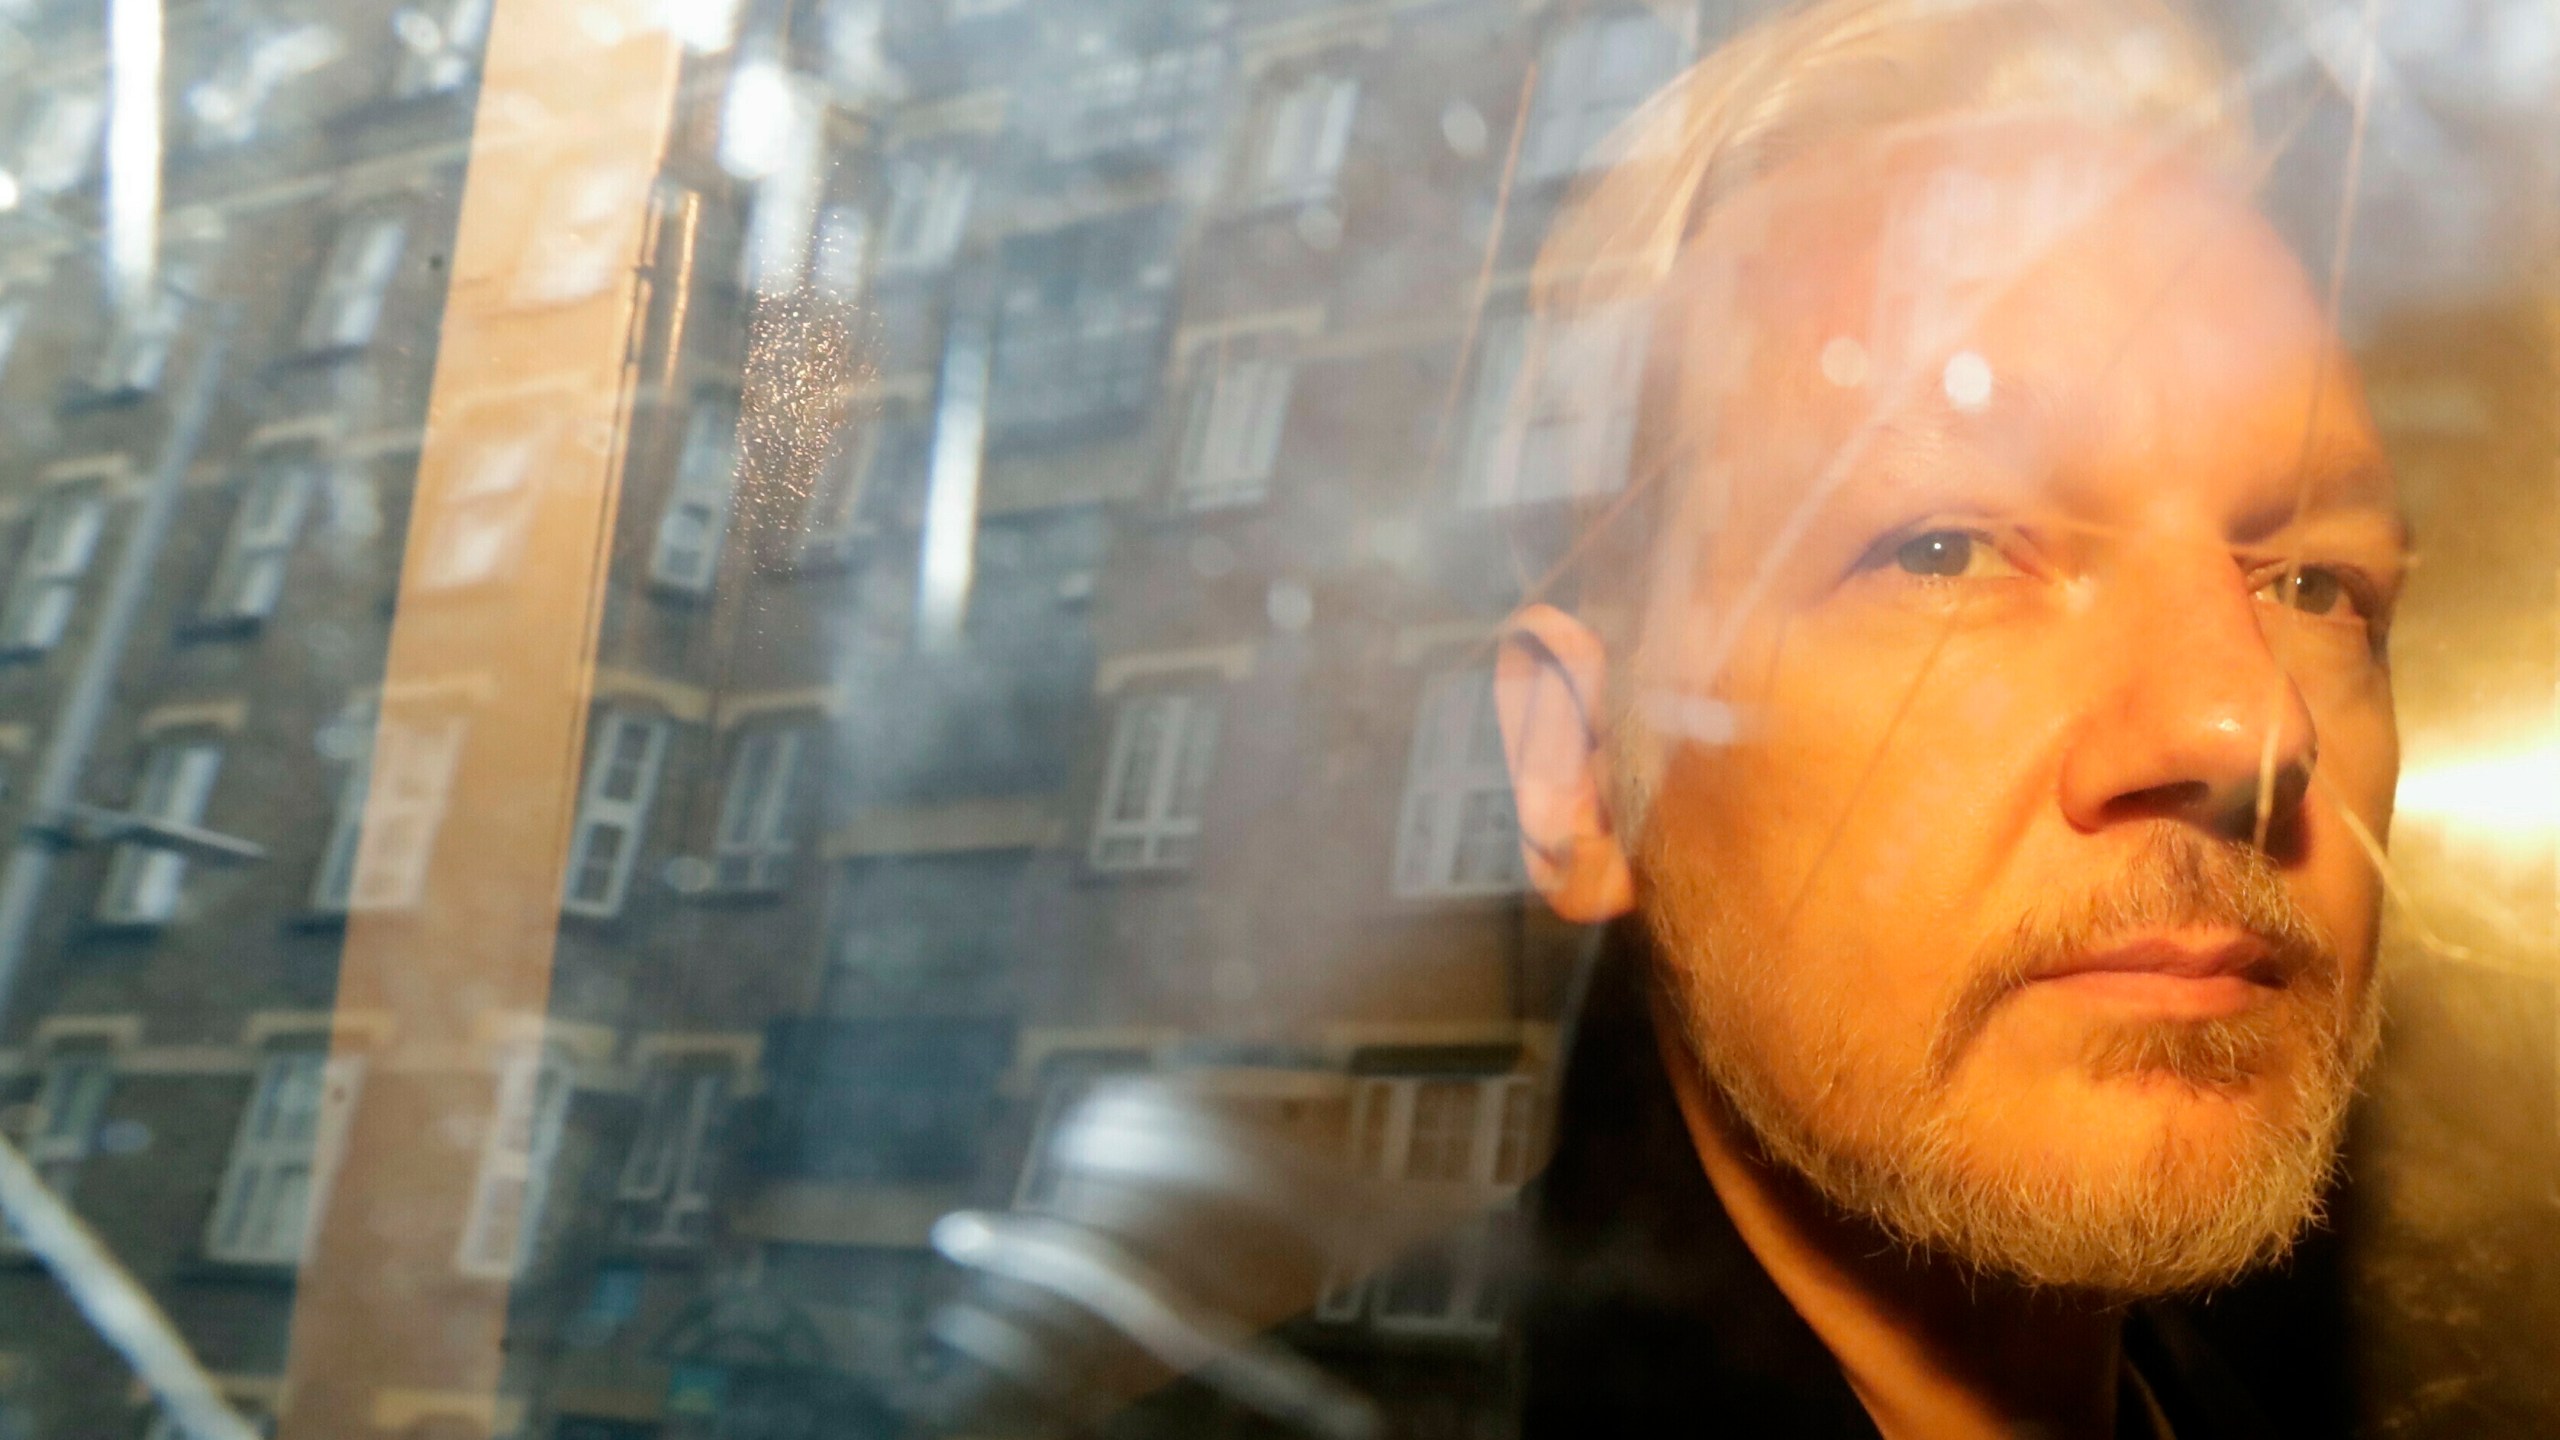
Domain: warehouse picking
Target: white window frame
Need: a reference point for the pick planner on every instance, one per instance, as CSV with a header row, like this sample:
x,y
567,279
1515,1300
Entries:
x,y
145,882
485,511
759,810
1576,108
518,1152
292,1132
840,259
603,813
1494,1159
138,346
837,510
363,260
59,142
1145,820
1304,140
438,55
1239,406
1456,780
391,803
1554,411
929,199
694,525
13,323
249,579
668,1175
225,108
70,521
1137,101
62,1124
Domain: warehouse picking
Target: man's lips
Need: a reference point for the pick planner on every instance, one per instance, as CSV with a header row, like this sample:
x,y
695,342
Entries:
x,y
2193,975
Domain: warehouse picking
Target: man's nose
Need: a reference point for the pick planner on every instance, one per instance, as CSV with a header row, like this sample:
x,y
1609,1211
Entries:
x,y
2193,718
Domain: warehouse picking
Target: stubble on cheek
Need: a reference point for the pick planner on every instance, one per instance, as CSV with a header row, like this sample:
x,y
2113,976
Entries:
x,y
1950,1156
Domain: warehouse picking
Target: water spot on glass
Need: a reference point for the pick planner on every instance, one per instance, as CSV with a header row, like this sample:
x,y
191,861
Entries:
x,y
1289,606
1462,125
1844,362
1967,381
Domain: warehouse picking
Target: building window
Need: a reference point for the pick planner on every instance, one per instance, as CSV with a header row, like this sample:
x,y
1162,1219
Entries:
x,y
1081,326
696,518
1303,145
363,258
928,210
1239,402
13,323
144,878
250,576
613,810
391,803
138,347
1075,1081
1554,412
1596,72
759,808
1138,102
284,1157
62,1128
516,1154
439,46
63,541
1455,1130
667,1179
842,254
1457,1283
880,480
483,515
58,141
224,108
1458,834
1161,750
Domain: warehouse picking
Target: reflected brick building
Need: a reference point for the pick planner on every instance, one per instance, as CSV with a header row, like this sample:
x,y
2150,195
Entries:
x,y
1045,638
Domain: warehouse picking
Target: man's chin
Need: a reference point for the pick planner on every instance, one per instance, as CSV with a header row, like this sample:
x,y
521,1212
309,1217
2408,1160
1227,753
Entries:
x,y
2128,1180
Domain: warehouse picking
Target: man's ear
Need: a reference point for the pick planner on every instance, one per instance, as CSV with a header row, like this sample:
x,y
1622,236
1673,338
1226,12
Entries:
x,y
1550,672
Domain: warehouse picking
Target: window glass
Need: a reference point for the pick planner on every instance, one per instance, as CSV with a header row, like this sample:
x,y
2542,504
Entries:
x,y
1456,719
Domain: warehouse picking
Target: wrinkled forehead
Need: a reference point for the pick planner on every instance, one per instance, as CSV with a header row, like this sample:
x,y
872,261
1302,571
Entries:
x,y
2081,300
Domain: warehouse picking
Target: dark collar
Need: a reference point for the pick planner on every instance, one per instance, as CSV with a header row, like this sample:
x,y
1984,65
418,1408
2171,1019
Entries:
x,y
1644,1311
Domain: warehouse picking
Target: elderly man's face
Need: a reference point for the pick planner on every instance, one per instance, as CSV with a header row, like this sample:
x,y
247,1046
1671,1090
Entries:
x,y
2018,737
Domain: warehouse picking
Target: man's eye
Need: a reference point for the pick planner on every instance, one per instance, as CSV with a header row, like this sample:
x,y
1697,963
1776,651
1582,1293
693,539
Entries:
x,y
1949,554
2313,590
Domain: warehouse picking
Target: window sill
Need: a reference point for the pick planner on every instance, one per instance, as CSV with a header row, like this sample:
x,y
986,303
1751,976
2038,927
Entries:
x,y
1188,505
100,927
676,592
220,627
88,399
740,897
313,359
263,1274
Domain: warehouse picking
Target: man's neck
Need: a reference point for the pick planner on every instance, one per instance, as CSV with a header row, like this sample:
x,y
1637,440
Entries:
x,y
1930,1350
